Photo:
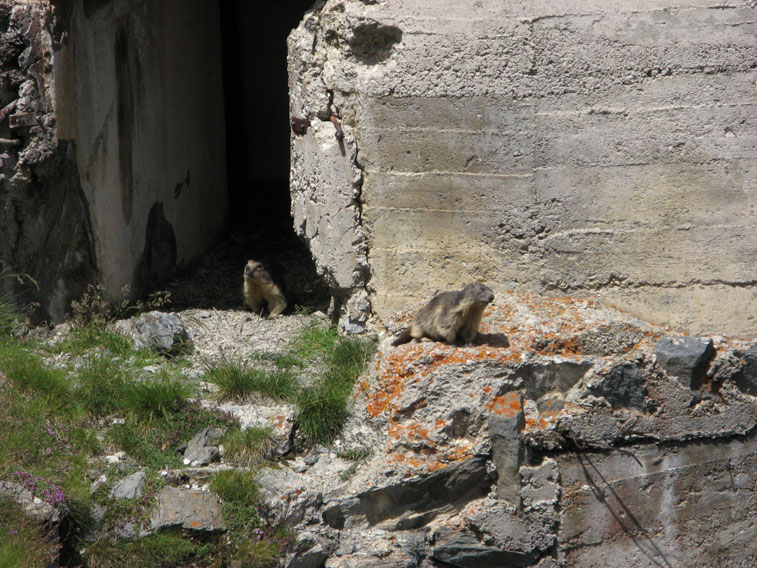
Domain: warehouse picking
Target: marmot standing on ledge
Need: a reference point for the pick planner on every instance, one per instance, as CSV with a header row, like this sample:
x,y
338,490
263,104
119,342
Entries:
x,y
453,317
261,291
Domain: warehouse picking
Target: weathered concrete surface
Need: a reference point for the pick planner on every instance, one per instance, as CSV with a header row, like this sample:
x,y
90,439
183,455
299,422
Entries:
x,y
558,438
138,87
112,144
592,148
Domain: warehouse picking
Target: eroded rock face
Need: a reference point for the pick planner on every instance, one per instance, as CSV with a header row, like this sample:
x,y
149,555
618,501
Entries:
x,y
45,226
524,449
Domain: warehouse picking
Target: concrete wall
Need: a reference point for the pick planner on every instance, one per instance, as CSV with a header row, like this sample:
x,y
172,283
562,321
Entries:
x,y
139,90
589,148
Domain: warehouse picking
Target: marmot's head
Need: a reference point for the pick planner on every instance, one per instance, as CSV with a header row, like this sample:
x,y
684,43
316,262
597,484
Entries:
x,y
256,270
478,293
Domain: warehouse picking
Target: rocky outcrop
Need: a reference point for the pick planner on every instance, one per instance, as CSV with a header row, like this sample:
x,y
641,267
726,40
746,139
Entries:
x,y
564,436
45,226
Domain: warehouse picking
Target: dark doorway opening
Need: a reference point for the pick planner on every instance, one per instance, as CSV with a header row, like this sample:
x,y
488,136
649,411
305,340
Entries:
x,y
256,99
253,36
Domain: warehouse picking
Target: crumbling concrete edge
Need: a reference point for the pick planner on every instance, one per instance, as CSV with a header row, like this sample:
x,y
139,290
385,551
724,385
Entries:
x,y
326,185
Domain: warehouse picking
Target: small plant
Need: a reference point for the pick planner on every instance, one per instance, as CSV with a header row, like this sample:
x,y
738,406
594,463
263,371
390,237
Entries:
x,y
349,472
9,313
156,398
248,447
237,381
355,454
40,487
95,309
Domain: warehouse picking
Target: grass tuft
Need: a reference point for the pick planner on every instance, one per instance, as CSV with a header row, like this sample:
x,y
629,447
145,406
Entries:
x,y
323,408
27,371
237,381
248,447
102,385
314,341
156,398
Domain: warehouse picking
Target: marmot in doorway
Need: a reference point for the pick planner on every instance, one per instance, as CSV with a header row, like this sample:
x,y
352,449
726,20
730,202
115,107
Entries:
x,y
452,317
260,291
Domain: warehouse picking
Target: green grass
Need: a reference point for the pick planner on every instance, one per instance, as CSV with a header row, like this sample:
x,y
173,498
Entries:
x,y
248,447
56,420
237,381
156,398
23,542
323,408
251,541
8,319
154,443
314,341
27,371
166,549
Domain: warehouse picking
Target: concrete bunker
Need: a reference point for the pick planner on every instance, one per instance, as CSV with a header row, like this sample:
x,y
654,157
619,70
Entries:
x,y
147,132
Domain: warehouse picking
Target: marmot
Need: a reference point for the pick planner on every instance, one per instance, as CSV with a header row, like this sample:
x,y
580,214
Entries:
x,y
453,317
260,291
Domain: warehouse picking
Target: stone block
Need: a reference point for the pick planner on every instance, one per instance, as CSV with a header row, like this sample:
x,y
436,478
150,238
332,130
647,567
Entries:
x,y
623,387
746,377
685,358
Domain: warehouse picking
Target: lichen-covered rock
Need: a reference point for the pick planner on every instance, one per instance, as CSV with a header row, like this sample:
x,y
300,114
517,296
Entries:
x,y
188,509
477,450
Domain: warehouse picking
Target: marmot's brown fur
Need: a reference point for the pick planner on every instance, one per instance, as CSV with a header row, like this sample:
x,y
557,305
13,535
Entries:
x,y
453,317
260,291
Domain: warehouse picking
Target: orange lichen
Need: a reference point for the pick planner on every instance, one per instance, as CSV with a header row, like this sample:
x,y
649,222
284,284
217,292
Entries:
x,y
508,405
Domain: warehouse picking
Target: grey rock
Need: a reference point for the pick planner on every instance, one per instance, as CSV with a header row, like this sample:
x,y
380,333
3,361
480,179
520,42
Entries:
x,y
311,551
463,550
540,485
164,332
523,533
202,449
422,495
189,509
129,487
623,387
33,507
543,377
508,453
685,358
746,377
